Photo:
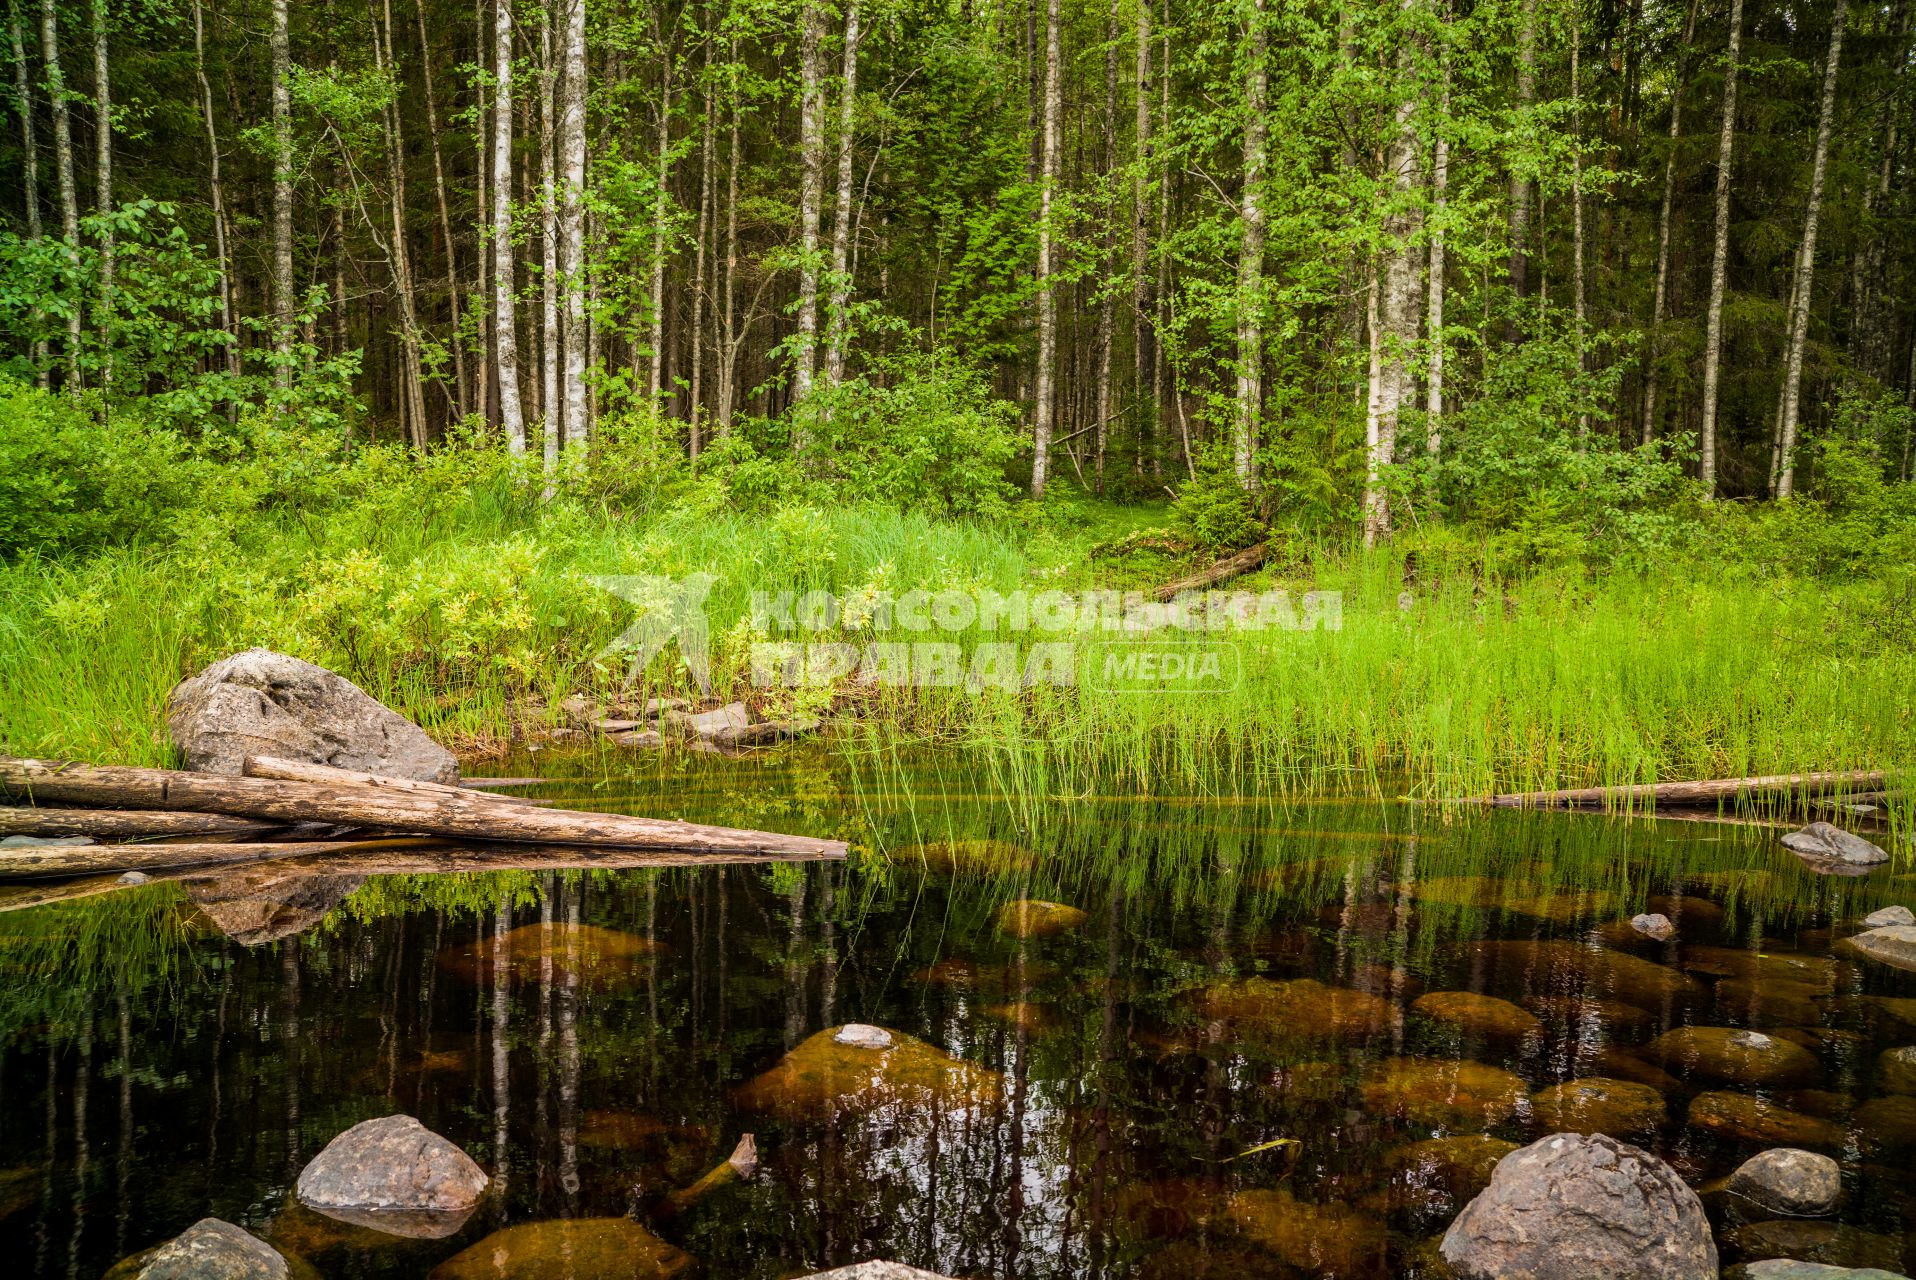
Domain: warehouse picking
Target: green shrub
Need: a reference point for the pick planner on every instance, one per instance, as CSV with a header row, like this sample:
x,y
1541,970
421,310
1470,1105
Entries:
x,y
1214,512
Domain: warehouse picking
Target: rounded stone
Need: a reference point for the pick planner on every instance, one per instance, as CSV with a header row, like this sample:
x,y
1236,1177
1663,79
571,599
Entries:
x,y
1896,1070
1730,1053
567,1249
862,1035
1786,1180
1597,1104
1893,945
1570,1207
212,1249
1031,918
1750,1119
1443,1092
1888,916
1479,1015
1654,925
392,1164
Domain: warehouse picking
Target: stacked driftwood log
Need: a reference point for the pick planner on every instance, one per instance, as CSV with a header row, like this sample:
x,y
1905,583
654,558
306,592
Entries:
x,y
146,820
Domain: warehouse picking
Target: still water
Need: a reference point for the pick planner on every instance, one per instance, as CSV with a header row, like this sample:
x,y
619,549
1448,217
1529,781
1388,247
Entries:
x,y
1266,1039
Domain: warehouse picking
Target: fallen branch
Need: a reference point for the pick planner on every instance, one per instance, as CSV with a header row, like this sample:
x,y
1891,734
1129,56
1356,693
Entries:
x,y
126,824
47,862
1224,570
1712,791
385,804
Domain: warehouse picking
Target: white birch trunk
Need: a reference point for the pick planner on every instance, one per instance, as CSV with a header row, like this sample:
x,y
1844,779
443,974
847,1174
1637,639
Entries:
x,y
1250,261
838,321
1719,260
511,413
63,169
1047,302
572,265
551,341
1141,359
811,128
103,181
282,56
1660,296
1395,324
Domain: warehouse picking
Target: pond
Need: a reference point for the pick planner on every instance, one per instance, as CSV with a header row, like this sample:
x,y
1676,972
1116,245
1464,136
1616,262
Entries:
x,y
1270,1038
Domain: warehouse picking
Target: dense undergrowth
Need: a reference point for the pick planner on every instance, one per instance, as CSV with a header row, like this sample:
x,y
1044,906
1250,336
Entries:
x,y
1715,641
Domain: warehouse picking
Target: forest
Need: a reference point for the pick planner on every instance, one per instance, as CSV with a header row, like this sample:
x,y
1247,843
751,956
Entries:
x,y
369,330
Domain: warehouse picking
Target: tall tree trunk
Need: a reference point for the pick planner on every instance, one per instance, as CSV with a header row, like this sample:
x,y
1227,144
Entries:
x,y
1520,181
551,339
1434,282
1108,260
838,320
1047,301
482,167
1661,294
282,54
1396,323
1783,473
228,321
1719,259
1250,258
811,128
460,401
572,264
63,169
103,183
1141,336
29,156
1578,312
701,257
656,383
511,413
412,375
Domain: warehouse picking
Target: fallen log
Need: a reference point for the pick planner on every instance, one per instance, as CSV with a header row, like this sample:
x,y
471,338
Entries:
x,y
54,862
384,804
126,824
284,770
1678,794
1224,570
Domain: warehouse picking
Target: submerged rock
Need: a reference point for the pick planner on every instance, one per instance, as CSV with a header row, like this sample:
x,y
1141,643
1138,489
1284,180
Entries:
x,y
1896,1070
1032,1019
1752,1119
1561,906
960,974
1479,1015
1760,966
1596,1104
1443,1091
1821,840
1786,1180
1587,1017
1303,1007
395,1174
1559,965
1804,1240
567,1249
1438,1176
1889,916
1329,1240
1031,918
261,703
1570,1207
1893,945
557,950
1620,1064
1887,1124
989,857
1791,1269
824,1075
1779,1000
1686,910
1654,925
212,1249
1731,1053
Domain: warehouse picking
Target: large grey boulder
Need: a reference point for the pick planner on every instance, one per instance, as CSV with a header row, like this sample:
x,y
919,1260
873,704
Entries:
x,y
1893,945
1889,916
1786,1180
262,703
393,1170
211,1249
1571,1206
1821,840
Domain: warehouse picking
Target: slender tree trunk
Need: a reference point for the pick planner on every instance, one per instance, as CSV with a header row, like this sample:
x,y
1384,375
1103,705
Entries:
x,y
1719,259
103,183
511,414
838,319
1141,336
228,321
1434,283
282,54
729,336
412,376
657,379
707,126
811,128
1784,472
1047,300
1396,322
1108,264
1250,259
63,169
572,264
1660,298
551,333
1579,314
1520,181
461,403
29,157
482,167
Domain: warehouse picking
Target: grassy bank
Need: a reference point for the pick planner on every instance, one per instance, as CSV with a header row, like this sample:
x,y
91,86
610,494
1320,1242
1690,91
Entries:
x,y
461,599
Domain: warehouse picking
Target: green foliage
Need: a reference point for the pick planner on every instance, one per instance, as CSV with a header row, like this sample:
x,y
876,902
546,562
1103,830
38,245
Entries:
x,y
1214,512
921,431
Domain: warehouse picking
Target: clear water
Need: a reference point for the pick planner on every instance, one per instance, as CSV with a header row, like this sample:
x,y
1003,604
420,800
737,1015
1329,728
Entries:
x,y
1221,1068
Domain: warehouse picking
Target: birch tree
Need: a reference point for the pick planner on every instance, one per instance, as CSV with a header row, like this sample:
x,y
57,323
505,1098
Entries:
x,y
29,156
1395,326
1652,366
1250,260
1142,358
103,169
1783,464
282,55
1719,259
56,86
838,319
511,410
1047,300
572,265
811,128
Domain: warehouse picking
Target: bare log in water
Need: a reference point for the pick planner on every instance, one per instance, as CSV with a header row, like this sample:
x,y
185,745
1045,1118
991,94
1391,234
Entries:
x,y
48,862
385,804
126,824
1224,570
1678,794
